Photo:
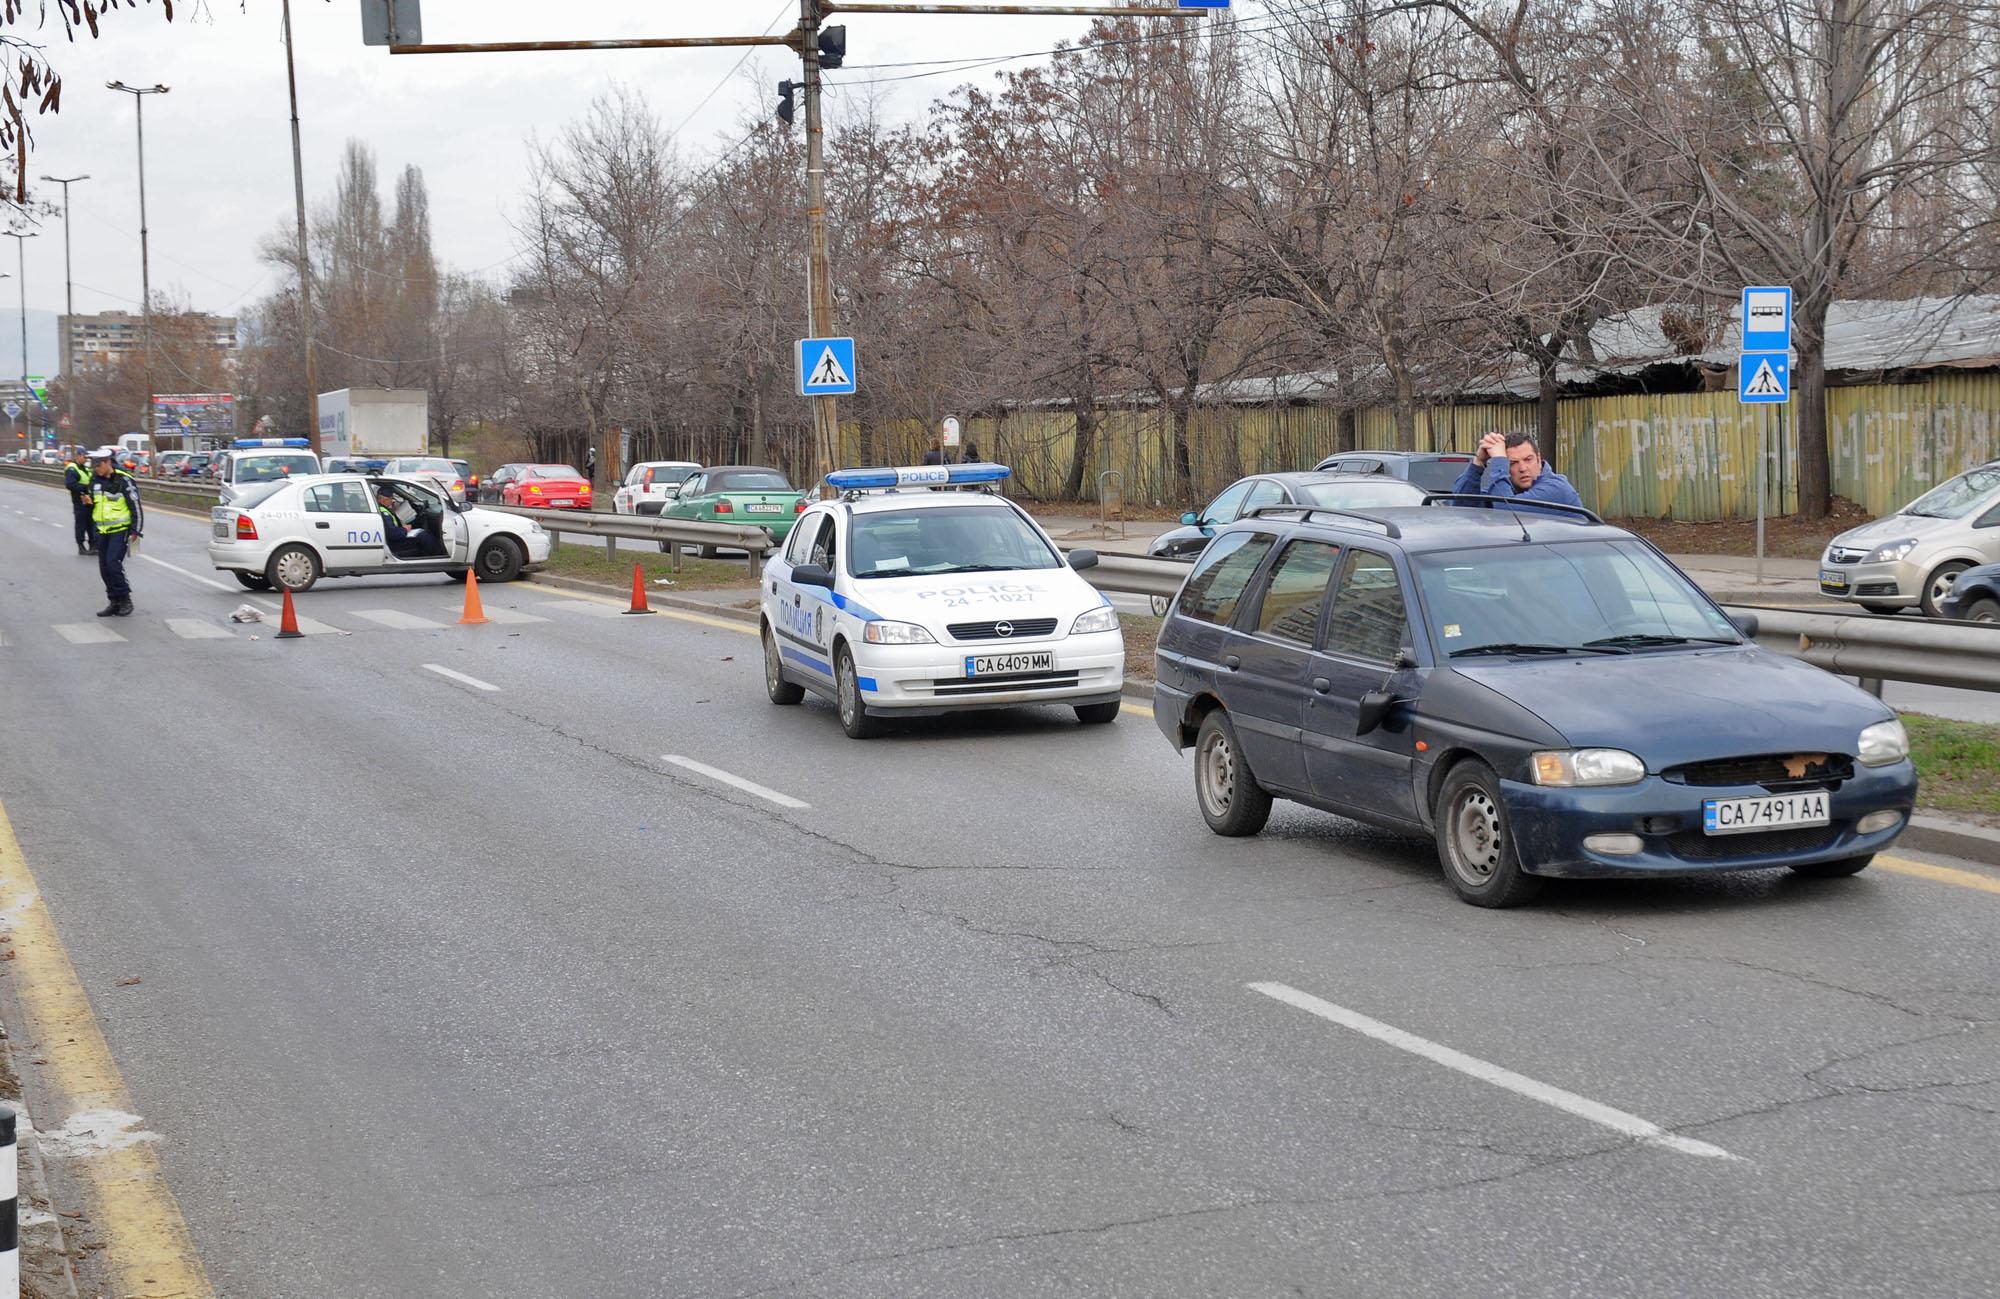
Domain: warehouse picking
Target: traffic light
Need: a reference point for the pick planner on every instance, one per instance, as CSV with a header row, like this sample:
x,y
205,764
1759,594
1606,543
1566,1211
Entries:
x,y
832,46
785,110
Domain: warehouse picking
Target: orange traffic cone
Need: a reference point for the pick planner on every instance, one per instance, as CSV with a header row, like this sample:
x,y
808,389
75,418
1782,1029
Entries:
x,y
475,612
638,591
288,623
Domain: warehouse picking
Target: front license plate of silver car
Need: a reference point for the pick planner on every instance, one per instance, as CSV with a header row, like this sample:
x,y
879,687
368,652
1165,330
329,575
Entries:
x,y
1749,815
982,665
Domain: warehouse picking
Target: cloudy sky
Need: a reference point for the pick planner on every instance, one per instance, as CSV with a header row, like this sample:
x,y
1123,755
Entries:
x,y
218,148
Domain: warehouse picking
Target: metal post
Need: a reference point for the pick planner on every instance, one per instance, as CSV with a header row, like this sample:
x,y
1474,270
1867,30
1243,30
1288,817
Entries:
x,y
1763,460
305,267
10,1206
819,277
139,94
63,357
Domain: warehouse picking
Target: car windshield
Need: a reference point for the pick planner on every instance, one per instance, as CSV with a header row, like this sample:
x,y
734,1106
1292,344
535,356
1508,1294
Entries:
x,y
263,469
1582,597
1959,497
1438,475
1360,493
966,539
550,471
257,495
749,480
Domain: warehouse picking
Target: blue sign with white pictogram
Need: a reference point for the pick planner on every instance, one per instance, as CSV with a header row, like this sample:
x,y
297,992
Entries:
x,y
1203,4
1764,377
826,367
1767,318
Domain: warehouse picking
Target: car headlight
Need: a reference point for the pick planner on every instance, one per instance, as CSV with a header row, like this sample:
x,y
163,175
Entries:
x,y
1882,744
1100,619
896,633
534,525
1586,767
1893,550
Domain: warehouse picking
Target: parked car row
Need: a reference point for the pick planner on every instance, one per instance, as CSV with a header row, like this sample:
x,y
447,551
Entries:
x,y
1918,556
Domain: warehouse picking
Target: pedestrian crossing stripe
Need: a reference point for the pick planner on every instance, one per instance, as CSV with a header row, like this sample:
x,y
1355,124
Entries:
x,y
1764,383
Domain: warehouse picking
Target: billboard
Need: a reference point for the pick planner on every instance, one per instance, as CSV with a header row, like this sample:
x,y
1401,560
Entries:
x,y
210,415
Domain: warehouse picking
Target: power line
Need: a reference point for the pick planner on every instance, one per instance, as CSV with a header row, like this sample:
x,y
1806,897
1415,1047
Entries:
x,y
783,9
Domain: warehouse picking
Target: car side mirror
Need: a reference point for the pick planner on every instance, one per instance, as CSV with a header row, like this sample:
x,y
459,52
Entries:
x,y
1406,658
1374,707
813,575
1083,559
1745,623
1190,519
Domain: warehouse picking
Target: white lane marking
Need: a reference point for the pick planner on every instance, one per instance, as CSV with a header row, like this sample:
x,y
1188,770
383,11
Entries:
x,y
1583,1107
459,677
36,518
3,640
193,577
196,629
581,606
398,619
496,613
735,782
87,633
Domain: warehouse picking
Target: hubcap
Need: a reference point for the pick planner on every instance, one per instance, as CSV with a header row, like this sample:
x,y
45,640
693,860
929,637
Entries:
x,y
771,674
294,568
1218,774
1475,837
850,694
1941,587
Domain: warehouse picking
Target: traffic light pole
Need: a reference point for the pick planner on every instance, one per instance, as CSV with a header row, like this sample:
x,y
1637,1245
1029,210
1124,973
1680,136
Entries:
x,y
819,275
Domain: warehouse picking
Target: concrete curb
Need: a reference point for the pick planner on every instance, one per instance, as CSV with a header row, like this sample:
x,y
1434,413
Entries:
x,y
1929,832
44,1256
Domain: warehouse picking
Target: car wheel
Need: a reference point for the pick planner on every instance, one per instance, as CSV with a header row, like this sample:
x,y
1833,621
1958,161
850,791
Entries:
x,y
1098,714
1985,609
1833,870
292,568
253,581
499,560
854,718
1938,585
1474,844
1232,802
775,685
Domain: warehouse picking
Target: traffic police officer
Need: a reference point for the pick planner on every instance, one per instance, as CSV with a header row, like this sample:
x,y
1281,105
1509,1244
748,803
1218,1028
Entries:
x,y
114,510
76,481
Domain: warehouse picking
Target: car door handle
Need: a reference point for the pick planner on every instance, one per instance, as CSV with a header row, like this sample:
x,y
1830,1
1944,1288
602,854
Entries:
x,y
317,523
1322,685
1232,662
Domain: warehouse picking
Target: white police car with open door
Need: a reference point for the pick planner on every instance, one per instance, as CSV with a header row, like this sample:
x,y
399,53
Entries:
x,y
292,532
895,601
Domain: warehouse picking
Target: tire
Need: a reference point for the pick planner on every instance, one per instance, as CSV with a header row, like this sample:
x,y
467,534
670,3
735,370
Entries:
x,y
1098,714
1231,800
1884,610
499,560
458,575
1474,844
292,568
782,692
1833,870
1938,585
253,581
854,718
1984,609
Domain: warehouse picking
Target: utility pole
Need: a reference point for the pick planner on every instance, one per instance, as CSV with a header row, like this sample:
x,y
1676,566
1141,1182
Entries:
x,y
69,287
21,278
305,266
139,94
819,275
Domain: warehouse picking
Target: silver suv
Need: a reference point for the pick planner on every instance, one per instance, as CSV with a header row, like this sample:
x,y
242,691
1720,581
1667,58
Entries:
x,y
1914,555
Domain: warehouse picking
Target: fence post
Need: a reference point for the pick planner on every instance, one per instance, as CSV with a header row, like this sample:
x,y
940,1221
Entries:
x,y
10,1208
611,549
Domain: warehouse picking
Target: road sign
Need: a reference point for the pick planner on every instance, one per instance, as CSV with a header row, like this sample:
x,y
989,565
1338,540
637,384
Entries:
x,y
1764,377
1767,318
13,409
826,367
951,430
392,22
1203,4
39,386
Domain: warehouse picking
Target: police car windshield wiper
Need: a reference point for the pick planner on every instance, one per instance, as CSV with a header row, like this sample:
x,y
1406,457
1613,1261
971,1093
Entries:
x,y
1517,647
1639,638
985,568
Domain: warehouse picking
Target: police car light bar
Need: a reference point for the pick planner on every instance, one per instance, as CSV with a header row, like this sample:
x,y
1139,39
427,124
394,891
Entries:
x,y
849,480
251,444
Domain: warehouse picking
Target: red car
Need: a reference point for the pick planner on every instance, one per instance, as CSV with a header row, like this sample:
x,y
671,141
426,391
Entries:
x,y
547,487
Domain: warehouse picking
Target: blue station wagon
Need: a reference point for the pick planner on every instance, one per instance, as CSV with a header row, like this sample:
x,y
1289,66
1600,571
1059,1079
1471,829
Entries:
x,y
1541,693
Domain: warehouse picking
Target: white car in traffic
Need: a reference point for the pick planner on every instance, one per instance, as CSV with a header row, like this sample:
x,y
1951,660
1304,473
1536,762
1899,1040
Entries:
x,y
650,485
895,601
445,473
292,532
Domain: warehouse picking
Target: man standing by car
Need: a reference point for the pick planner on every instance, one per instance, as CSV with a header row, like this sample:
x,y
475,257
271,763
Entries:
x,y
1509,466
76,481
115,512
590,465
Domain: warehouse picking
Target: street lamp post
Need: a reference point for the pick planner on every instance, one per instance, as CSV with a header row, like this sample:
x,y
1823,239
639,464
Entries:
x,y
305,267
21,278
139,94
69,287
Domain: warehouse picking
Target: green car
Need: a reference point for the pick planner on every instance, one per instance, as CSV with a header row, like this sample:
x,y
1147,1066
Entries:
x,y
738,494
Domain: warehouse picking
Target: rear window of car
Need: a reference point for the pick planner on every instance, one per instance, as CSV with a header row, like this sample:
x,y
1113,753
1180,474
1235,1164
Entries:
x,y
1439,475
749,480
550,471
426,466
262,469
257,495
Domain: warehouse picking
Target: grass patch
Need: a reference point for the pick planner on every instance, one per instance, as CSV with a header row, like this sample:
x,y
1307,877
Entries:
x,y
1142,634
1958,763
589,564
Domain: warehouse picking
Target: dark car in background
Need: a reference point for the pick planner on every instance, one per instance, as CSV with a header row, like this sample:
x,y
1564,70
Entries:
x,y
1975,596
1324,491
1543,696
490,488
1434,471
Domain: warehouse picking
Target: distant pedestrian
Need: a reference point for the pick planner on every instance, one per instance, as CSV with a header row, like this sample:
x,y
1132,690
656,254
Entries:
x,y
971,452
76,481
1509,466
114,509
590,465
934,454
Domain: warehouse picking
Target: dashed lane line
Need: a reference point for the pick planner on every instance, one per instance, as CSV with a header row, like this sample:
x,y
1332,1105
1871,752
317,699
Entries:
x,y
192,577
397,619
86,633
751,787
460,677
1631,1125
197,629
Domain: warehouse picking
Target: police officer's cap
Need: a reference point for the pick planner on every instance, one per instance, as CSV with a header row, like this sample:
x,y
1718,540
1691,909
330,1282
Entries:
x,y
105,453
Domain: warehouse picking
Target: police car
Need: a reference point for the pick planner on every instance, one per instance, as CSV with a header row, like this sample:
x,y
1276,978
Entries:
x,y
250,461
897,601
294,531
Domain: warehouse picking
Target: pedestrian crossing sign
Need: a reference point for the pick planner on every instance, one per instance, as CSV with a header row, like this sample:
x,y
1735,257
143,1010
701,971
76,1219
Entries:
x,y
826,367
1763,377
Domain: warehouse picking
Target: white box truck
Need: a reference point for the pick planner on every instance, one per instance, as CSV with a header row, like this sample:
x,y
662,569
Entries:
x,y
374,423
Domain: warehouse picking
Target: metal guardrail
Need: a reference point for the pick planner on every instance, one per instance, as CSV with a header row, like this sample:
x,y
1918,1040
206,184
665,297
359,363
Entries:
x,y
670,534
164,491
